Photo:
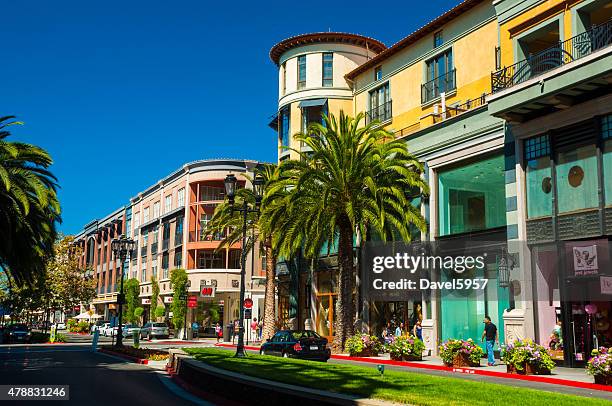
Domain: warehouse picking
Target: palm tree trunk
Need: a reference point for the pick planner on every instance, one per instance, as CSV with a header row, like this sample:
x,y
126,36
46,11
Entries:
x,y
345,307
269,313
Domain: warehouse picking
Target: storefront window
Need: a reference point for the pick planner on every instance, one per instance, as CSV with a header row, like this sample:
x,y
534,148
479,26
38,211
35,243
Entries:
x,y
472,197
538,177
606,134
576,172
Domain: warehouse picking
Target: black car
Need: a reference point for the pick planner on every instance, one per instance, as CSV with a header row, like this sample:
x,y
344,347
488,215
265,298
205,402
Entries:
x,y
303,344
17,333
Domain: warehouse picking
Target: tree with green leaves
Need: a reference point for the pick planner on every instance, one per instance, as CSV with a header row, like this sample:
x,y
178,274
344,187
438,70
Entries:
x,y
154,297
178,280
354,180
228,222
29,207
131,290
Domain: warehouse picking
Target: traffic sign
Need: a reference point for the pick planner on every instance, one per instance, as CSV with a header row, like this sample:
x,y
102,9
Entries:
x,y
248,303
183,297
248,313
192,301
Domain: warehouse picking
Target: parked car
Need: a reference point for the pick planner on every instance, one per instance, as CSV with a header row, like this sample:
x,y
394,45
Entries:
x,y
158,330
105,329
303,344
60,326
128,329
97,325
17,333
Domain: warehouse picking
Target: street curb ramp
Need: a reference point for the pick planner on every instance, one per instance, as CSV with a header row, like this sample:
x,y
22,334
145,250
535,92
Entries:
x,y
252,390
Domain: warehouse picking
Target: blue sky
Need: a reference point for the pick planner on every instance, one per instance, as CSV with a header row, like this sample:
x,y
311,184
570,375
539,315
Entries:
x,y
121,93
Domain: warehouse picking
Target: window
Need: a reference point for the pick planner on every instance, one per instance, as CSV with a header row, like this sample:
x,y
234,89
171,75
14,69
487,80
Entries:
x,y
155,235
211,193
313,114
211,260
146,215
606,135
135,268
181,197
378,73
576,174
440,76
284,126
143,272
178,259
472,197
156,206
234,259
301,72
328,69
437,39
168,204
380,104
538,177
284,78
154,268
165,263
136,220
178,231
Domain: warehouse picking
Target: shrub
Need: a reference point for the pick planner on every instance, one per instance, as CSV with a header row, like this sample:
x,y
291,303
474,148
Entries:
x,y
405,347
363,344
138,311
160,311
525,351
600,362
450,348
70,324
60,338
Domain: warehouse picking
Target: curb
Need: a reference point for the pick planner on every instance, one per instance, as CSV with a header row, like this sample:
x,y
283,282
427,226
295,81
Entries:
x,y
135,360
471,371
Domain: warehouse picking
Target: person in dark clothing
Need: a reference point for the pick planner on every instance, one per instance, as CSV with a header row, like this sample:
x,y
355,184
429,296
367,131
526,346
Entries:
x,y
491,336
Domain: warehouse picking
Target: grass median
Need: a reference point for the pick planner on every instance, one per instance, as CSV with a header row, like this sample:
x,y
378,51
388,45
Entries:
x,y
402,387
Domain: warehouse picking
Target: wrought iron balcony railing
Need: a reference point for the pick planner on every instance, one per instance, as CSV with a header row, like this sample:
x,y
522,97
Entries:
x,y
380,113
435,87
565,52
452,111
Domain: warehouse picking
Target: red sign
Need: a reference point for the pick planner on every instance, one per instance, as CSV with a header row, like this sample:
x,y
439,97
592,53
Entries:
x,y
192,301
207,291
248,303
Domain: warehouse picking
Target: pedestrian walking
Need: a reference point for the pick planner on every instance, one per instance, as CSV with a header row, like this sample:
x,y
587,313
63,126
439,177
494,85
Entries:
x,y
218,331
254,328
260,328
236,330
491,335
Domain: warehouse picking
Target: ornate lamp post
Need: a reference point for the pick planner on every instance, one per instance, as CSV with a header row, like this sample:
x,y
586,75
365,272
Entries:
x,y
121,247
230,191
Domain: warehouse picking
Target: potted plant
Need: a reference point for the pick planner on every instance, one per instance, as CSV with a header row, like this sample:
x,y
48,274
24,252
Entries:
x,y
363,345
600,365
526,357
461,353
406,349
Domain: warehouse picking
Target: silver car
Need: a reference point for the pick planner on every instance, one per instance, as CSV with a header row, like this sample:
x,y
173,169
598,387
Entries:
x,y
158,330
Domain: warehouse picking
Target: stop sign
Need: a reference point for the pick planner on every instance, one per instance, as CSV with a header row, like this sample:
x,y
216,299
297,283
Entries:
x,y
248,303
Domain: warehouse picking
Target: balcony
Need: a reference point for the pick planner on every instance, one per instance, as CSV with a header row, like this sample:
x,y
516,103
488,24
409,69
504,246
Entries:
x,y
572,72
454,111
381,113
200,235
442,84
564,53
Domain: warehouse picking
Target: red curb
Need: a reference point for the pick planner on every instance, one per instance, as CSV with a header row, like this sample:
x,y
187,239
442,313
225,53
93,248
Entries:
x,y
471,371
142,361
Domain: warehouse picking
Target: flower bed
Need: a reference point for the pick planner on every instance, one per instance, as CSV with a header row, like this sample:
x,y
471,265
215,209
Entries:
x,y
525,357
363,345
406,349
600,366
461,353
140,353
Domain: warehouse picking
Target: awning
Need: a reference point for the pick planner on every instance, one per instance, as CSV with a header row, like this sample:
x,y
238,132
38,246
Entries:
x,y
312,103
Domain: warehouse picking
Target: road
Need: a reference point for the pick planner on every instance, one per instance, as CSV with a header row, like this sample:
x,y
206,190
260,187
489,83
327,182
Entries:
x,y
94,379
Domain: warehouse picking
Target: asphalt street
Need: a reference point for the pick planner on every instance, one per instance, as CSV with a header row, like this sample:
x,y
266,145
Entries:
x,y
94,379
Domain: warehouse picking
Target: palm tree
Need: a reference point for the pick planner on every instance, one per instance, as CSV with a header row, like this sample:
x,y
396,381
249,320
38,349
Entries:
x,y
229,224
354,180
29,208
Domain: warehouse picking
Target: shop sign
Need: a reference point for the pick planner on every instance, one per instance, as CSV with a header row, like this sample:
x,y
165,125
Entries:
x,y
605,283
168,299
248,312
192,301
585,260
146,301
207,291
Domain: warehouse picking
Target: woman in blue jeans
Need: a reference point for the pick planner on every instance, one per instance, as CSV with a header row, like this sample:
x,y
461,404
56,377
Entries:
x,y
491,335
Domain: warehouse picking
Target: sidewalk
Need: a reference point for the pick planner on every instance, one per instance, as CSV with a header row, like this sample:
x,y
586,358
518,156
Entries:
x,y
563,380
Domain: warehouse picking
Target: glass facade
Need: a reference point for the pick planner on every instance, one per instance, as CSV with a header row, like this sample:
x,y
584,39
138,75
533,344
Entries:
x,y
576,172
538,177
606,135
472,197
284,126
301,72
328,69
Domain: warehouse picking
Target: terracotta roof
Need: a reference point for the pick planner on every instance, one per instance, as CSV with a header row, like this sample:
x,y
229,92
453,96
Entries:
x,y
325,37
425,30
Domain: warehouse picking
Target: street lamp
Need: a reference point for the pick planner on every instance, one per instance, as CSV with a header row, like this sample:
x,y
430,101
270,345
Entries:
x,y
230,191
121,247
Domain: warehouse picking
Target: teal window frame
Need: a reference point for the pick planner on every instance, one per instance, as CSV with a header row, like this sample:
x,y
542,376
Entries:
x,y
301,68
328,69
